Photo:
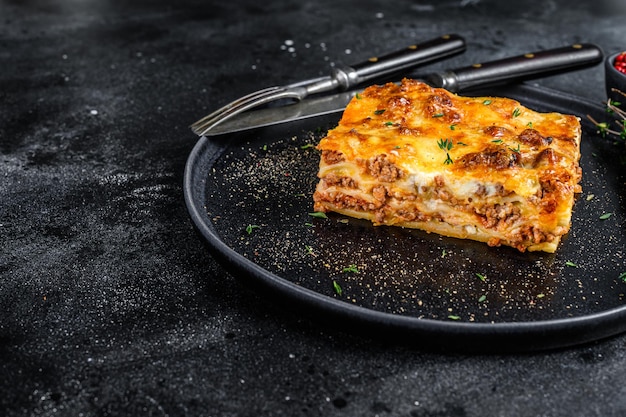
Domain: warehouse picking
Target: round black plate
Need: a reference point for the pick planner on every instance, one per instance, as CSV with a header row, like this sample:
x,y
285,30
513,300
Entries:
x,y
249,195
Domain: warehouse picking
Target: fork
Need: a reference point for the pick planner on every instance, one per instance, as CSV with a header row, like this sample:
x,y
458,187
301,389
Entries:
x,y
340,78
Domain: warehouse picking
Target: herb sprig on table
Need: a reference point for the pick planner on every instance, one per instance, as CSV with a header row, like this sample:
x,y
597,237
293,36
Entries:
x,y
613,108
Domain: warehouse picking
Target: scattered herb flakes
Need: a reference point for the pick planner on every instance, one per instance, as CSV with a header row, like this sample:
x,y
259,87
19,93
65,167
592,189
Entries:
x,y
318,215
438,115
443,253
482,277
529,125
461,144
388,123
482,298
378,112
308,249
251,227
571,264
606,216
445,144
344,221
487,102
516,150
337,288
454,317
541,295
264,147
351,268
622,276
590,197
517,112
498,141
452,127
300,195
307,146
358,96
309,224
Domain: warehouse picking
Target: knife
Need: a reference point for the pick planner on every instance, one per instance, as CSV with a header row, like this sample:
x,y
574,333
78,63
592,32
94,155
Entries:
x,y
341,78
512,69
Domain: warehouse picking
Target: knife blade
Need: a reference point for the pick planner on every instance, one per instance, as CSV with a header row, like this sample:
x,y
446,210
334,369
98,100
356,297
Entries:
x,y
340,78
506,70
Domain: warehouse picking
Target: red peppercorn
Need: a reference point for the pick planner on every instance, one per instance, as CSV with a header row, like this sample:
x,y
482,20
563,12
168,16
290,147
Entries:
x,y
620,63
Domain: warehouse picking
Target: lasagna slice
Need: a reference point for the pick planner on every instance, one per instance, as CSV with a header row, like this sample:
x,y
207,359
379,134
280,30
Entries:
x,y
486,168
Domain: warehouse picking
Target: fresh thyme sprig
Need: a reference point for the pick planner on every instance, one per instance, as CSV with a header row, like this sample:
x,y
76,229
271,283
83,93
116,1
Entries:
x,y
612,107
446,145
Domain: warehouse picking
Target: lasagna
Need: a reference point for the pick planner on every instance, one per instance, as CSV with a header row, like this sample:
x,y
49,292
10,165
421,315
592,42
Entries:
x,y
480,168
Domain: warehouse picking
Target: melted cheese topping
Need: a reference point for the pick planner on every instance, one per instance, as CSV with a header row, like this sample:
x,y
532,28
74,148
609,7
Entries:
x,y
484,168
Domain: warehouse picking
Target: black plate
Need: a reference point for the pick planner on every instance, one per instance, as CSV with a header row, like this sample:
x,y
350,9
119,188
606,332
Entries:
x,y
249,195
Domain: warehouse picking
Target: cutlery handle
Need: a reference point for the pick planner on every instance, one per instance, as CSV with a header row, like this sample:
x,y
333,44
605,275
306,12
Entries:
x,y
410,57
518,68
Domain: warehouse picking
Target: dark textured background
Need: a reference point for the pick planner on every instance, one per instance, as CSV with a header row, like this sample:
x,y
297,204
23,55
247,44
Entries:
x,y
111,304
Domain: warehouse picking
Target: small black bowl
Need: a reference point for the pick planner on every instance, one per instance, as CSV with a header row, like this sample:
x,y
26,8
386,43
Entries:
x,y
614,80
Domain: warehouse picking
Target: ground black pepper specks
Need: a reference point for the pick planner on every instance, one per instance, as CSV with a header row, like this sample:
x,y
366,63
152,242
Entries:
x,y
259,197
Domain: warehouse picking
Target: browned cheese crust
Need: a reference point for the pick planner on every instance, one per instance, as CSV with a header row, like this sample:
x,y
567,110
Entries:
x,y
486,168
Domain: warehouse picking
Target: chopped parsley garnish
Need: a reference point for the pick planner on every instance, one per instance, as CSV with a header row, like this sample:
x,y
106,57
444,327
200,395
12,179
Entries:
x,y
516,112
605,216
498,141
454,317
307,146
251,227
571,264
487,102
381,111
482,298
318,215
388,123
337,288
308,249
351,268
480,276
445,144
358,96
452,127
622,276
516,150
438,115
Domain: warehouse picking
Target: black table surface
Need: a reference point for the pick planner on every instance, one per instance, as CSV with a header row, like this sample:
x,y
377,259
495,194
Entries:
x,y
111,303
